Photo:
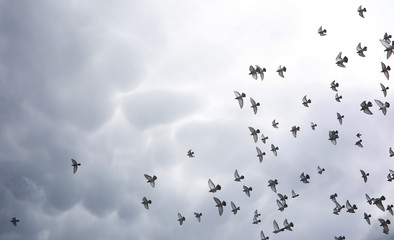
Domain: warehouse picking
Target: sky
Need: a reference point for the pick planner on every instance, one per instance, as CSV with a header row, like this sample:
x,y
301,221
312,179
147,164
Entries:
x,y
128,87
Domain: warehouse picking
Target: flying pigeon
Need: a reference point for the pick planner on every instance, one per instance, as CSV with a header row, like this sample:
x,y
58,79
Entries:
x,y
366,217
350,208
14,221
332,136
294,130
190,154
220,205
334,86
240,97
260,154
75,165
391,152
281,205
256,214
274,149
181,219
253,72
288,225
146,202
293,194
384,89
389,48
305,101
321,31
358,135
340,117
276,227
390,209
340,238
237,177
256,221
384,224
361,11
365,107
382,106
272,184
260,71
247,190
320,170
369,200
254,105
198,216
341,60
235,209
304,178
275,124
212,187
379,202
359,143
263,138
385,70
386,38
360,50
313,125
262,236
364,175
281,70
254,133
150,179
390,176
338,98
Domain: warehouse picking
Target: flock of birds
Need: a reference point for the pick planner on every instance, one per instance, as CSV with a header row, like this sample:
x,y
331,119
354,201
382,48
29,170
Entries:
x,y
333,135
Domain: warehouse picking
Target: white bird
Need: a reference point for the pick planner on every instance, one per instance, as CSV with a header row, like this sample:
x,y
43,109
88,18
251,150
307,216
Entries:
x,y
260,154
247,190
237,177
382,106
384,89
385,70
340,60
150,179
75,165
360,50
254,133
181,219
254,105
212,187
220,205
321,31
235,209
361,11
146,202
240,97
281,70
198,216
14,221
274,149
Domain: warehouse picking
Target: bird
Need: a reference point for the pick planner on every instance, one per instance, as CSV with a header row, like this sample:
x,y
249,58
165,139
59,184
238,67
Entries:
x,y
237,177
391,152
334,86
288,225
386,38
240,97
340,238
389,46
260,154
256,221
275,124
212,187
390,176
256,214
190,154
379,202
338,98
274,149
365,107
294,130
321,31
14,221
254,105
281,205
293,194
364,175
305,101
382,106
282,197
75,165
181,219
384,89
358,135
304,178
320,170
361,50
359,143
332,136
313,125
390,209
340,60
272,184
385,70
366,217
340,117
276,227
262,236
150,179
369,199
235,209
281,70
198,216
254,133
260,71
384,224
253,72
247,190
220,205
263,138
361,11
146,202
350,208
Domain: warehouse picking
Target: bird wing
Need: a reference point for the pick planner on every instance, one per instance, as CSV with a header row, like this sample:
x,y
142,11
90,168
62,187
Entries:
x,y
384,43
211,185
379,103
359,47
348,206
276,227
218,202
236,175
380,205
149,178
233,206
339,57
73,161
75,168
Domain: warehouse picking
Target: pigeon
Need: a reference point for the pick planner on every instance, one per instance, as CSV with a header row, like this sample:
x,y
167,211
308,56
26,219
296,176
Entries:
x,y
256,221
369,200
254,133
358,135
220,205
382,106
313,125
14,221
384,89
237,177
213,188
384,224
360,50
378,202
198,216
321,31
320,170
263,138
256,214
240,97
150,179
340,238
274,149
294,130
75,165
338,98
260,154
262,236
385,70
332,136
281,205
276,227
146,202
275,124
350,208
365,107
272,184
341,60
254,105
235,209
304,178
391,152
305,101
287,225
386,38
366,217
359,143
260,71
282,197
364,175
253,72
190,154
334,86
390,176
361,11
281,70
340,117
247,190
181,219
389,48
293,194
390,209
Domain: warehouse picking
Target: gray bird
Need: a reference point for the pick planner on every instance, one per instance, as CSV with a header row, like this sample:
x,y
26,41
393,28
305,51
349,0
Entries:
x,y
384,224
340,238
198,216
260,71
253,72
293,194
361,11
190,154
304,178
365,107
75,165
385,70
275,124
390,208
334,86
386,38
247,190
288,225
254,105
281,204
359,143
305,101
282,197
321,31
14,221
369,199
254,133
240,97
320,170
256,221
358,135
338,98
219,205
313,125
340,117
272,184
294,130
390,176
181,219
340,60
256,214
364,175
366,217
389,46
212,187
281,70
262,236
146,202
237,177
384,89
260,154
332,136
151,180
382,106
379,202
350,208
391,152
274,149
235,209
361,50
276,227
263,138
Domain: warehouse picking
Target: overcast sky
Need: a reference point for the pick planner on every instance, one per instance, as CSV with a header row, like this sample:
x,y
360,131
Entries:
x,y
128,87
